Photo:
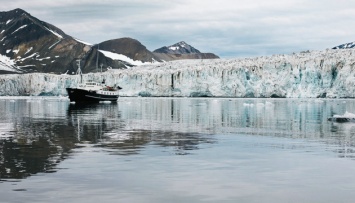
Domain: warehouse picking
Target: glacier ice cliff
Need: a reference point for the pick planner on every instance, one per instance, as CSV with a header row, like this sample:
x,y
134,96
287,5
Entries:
x,y
329,74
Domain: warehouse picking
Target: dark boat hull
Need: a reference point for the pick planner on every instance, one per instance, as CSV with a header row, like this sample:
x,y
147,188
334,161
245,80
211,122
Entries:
x,y
84,96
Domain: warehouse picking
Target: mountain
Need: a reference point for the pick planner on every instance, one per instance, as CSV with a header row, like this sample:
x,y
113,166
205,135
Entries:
x,y
178,48
345,46
37,46
181,50
29,45
129,47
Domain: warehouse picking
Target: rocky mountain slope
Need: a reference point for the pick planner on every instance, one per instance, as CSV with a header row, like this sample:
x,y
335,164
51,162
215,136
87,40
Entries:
x,y
181,50
30,45
129,47
37,46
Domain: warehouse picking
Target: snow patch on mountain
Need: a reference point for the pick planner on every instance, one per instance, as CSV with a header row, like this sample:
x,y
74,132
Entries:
x,y
78,40
23,26
55,33
174,48
6,64
122,57
55,43
28,50
30,56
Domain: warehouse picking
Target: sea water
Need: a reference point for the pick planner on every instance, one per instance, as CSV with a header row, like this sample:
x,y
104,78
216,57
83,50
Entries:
x,y
176,150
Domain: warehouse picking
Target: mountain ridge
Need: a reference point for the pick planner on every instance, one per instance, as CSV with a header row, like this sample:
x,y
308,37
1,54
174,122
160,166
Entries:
x,y
129,47
31,45
182,50
178,48
37,46
345,46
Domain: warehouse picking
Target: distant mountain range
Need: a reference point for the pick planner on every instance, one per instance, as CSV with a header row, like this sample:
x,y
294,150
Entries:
x,y
345,46
182,50
31,45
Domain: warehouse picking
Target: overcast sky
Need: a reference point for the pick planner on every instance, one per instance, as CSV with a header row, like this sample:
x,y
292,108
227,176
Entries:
x,y
228,28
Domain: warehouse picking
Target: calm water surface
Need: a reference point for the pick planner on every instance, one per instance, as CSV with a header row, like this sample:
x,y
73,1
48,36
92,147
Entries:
x,y
176,150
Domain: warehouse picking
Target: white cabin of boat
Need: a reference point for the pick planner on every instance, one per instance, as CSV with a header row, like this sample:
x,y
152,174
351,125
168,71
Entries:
x,y
99,88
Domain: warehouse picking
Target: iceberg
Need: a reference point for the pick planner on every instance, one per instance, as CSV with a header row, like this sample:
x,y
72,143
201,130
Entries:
x,y
346,117
309,74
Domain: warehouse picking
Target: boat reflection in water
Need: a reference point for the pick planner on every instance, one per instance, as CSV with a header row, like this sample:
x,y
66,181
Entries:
x,y
106,127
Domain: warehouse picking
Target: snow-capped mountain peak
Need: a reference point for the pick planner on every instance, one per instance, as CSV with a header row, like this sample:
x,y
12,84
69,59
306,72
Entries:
x,y
345,46
179,45
178,48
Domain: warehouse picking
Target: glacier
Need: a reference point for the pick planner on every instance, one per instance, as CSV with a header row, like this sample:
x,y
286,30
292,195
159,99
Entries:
x,y
309,74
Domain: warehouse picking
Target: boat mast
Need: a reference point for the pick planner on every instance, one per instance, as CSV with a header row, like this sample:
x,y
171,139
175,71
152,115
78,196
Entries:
x,y
97,61
97,57
79,72
97,64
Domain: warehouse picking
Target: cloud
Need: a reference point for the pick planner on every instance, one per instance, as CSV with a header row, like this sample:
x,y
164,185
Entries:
x,y
225,27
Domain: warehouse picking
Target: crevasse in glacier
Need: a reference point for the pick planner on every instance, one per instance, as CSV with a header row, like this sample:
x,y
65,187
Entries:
x,y
327,73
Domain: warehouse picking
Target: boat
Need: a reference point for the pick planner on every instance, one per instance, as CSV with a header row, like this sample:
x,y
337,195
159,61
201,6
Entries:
x,y
92,92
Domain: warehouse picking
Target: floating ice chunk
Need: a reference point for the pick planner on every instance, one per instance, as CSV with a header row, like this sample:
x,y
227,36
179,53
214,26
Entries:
x,y
345,115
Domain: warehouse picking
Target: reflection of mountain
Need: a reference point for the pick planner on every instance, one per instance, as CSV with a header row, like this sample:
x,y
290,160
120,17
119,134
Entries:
x,y
20,159
39,134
